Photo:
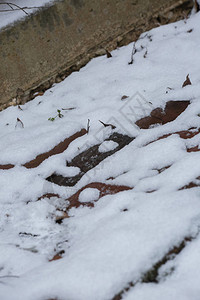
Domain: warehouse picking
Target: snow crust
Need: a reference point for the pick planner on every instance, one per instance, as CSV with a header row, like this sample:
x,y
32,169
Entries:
x,y
124,235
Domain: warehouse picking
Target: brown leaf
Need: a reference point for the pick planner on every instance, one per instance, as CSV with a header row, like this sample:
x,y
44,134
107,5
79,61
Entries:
x,y
57,256
124,97
38,94
187,81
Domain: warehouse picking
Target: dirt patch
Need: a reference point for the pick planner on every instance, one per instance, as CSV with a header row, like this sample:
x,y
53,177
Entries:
x,y
159,116
89,159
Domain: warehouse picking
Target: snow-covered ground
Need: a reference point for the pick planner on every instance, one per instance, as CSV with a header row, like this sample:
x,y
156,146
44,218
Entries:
x,y
143,240
11,11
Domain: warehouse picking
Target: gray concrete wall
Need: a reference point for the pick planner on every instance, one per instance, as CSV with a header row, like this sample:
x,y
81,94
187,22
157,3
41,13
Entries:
x,y
45,47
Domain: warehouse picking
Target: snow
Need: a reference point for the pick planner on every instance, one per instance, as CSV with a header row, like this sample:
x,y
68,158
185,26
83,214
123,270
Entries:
x,y
10,15
89,195
114,243
107,146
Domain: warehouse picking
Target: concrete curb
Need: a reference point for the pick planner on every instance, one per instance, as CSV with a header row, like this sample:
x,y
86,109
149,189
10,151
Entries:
x,y
59,39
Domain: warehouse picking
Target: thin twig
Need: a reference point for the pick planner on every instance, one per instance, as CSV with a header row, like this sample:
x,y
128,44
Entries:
x,y
106,125
88,126
70,108
10,6
17,7
134,50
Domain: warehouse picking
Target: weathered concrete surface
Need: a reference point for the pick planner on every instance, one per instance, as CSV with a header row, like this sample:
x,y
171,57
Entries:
x,y
47,46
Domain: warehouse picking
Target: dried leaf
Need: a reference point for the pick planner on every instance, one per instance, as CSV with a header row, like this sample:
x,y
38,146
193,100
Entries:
x,y
57,255
36,94
187,81
124,97
19,124
106,125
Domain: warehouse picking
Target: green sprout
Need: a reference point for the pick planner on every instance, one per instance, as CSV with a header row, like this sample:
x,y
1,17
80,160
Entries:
x,y
59,115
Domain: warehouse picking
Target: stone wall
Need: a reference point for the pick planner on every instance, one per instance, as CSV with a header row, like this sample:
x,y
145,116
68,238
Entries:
x,y
56,40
